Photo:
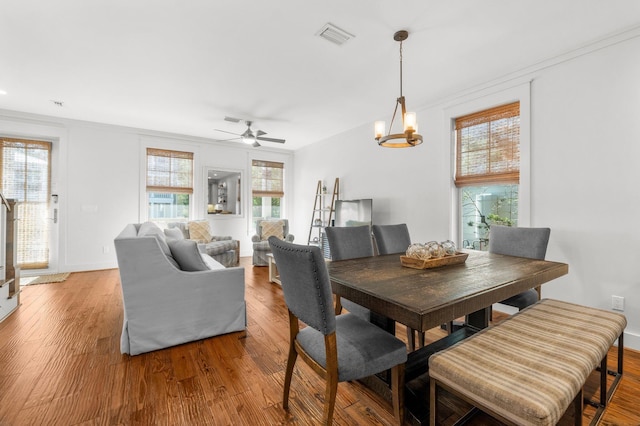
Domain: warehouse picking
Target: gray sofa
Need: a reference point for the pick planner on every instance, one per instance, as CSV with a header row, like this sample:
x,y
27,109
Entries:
x,y
173,293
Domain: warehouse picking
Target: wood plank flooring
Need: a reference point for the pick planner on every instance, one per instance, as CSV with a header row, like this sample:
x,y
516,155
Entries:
x,y
60,364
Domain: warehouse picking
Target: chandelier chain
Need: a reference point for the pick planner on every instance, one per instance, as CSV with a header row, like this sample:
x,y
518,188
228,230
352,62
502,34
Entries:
x,y
401,69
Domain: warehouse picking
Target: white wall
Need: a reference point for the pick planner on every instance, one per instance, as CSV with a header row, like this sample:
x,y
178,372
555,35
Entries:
x,y
585,143
98,173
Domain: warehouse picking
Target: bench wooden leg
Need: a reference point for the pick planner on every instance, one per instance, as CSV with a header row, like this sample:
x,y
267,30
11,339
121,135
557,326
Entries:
x,y
433,402
578,407
603,381
607,393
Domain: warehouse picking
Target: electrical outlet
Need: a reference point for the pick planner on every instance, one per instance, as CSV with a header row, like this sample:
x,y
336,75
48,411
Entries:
x,y
617,303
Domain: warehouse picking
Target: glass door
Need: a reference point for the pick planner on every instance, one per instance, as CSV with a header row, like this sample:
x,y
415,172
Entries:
x,y
26,177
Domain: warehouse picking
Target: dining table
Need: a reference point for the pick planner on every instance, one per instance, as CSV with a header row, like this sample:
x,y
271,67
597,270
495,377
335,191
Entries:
x,y
422,299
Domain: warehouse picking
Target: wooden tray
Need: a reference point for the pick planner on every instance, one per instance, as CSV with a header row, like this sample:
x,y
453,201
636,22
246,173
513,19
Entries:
x,y
454,259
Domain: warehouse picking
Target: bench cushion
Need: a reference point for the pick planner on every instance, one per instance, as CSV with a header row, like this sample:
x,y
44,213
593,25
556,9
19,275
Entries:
x,y
531,366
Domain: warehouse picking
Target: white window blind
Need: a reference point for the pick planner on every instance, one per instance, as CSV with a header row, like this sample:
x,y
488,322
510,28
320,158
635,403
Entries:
x,y
267,179
488,146
169,171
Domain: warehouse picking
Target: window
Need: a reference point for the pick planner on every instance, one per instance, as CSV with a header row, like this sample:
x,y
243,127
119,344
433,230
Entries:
x,y
169,184
26,176
487,171
267,189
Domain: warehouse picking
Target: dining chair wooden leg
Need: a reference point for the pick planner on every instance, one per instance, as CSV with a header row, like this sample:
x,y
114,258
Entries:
x,y
331,377
411,339
291,360
338,307
397,392
330,400
450,327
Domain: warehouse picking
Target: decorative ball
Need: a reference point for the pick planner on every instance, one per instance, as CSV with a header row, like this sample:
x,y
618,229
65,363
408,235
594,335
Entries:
x,y
417,251
435,249
449,247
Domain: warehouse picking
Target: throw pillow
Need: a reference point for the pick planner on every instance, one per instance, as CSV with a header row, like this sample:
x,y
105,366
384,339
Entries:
x,y
182,226
272,228
186,253
199,231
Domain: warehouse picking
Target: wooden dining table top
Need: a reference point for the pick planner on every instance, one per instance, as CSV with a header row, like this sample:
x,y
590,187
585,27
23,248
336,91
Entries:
x,y
425,298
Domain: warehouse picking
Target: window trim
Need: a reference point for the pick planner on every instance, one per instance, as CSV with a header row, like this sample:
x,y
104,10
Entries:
x,y
169,144
519,90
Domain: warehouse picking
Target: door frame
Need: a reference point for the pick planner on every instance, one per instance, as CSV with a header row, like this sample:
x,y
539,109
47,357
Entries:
x,y
57,135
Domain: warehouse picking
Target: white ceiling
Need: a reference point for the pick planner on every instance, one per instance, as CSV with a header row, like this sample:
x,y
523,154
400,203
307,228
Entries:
x,y
181,66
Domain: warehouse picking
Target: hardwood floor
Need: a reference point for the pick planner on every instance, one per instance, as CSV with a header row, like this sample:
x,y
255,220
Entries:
x,y
60,364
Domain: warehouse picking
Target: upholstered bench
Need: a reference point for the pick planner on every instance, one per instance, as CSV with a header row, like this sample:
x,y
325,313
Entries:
x,y
528,369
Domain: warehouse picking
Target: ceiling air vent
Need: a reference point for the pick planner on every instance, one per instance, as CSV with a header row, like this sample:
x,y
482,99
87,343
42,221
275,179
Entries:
x,y
334,34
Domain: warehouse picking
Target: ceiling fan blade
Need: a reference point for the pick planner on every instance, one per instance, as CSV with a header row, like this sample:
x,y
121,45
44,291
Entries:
x,y
232,119
271,140
260,133
255,144
224,131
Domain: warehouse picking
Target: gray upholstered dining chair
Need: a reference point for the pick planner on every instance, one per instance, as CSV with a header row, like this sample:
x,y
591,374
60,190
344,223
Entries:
x,y
391,239
350,242
522,242
338,348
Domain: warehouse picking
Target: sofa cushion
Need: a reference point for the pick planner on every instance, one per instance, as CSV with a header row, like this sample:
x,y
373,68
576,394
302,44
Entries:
x,y
272,228
211,262
173,234
186,253
199,231
150,229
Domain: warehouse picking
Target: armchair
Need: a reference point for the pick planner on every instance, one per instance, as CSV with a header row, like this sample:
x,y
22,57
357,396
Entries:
x,y
265,228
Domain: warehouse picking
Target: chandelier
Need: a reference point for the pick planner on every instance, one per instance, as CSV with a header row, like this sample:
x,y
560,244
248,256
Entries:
x,y
410,136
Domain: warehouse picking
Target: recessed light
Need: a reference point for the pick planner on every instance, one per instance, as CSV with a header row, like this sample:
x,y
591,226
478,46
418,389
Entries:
x,y
2,92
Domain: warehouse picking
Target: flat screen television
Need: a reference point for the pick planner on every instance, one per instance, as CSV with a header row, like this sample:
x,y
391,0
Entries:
x,y
354,212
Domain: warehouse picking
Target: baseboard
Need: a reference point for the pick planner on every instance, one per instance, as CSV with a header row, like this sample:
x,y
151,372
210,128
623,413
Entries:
x,y
632,341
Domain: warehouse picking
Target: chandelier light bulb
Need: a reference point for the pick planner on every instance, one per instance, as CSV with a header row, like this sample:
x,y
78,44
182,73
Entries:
x,y
379,129
410,124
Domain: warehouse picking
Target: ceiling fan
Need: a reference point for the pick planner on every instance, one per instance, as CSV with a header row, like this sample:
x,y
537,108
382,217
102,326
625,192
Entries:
x,y
249,136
